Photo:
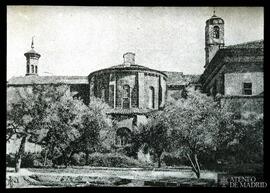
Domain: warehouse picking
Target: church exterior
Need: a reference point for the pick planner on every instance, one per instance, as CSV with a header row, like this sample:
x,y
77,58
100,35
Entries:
x,y
234,73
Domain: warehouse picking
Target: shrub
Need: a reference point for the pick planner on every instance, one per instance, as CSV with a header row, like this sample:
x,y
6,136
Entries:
x,y
127,151
10,160
78,159
246,168
174,160
113,160
32,160
29,160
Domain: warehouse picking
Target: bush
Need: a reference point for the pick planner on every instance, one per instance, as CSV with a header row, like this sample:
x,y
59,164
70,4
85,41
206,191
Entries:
x,y
106,160
29,160
10,160
113,160
32,160
127,151
246,168
78,159
174,160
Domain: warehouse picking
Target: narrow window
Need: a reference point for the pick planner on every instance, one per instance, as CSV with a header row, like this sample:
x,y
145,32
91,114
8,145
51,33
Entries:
x,y
36,69
32,68
216,32
151,97
27,69
126,97
247,88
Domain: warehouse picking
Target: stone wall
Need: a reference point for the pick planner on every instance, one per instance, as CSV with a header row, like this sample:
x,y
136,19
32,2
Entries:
x,y
129,79
162,94
151,80
101,86
139,83
142,100
234,82
243,103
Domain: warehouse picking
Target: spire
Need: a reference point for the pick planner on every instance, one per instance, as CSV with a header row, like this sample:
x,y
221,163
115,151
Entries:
x,y
32,44
214,12
32,58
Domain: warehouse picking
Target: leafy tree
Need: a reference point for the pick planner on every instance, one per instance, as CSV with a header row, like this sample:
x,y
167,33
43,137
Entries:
x,y
245,143
74,127
196,121
155,134
63,124
93,121
27,111
252,138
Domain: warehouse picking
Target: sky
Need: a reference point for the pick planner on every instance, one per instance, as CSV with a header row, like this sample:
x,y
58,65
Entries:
x,y
77,40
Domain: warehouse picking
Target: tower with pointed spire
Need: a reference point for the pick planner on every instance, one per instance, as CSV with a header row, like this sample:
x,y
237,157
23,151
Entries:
x,y
214,37
32,58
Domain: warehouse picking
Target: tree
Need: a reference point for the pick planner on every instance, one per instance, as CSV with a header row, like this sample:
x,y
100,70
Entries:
x,y
63,124
245,143
93,120
251,140
74,127
196,121
155,134
27,111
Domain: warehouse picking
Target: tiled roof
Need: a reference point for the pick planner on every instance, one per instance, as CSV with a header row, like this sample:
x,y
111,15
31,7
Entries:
x,y
243,67
32,51
178,78
244,57
26,80
124,67
174,78
120,66
252,44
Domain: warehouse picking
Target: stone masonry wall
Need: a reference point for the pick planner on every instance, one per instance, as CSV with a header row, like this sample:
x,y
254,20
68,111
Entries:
x,y
151,81
234,82
244,103
126,79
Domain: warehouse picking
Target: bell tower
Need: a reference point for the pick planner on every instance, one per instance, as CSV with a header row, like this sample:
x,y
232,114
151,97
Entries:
x,y
214,37
32,58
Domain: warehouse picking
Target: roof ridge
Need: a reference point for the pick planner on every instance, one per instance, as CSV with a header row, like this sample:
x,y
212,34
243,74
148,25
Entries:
x,y
248,42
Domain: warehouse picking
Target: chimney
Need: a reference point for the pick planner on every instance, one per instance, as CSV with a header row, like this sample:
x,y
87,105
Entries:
x,y
129,58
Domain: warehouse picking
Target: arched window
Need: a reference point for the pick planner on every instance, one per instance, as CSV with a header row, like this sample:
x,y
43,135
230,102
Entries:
x,y
27,69
151,97
123,136
36,69
216,32
32,69
126,97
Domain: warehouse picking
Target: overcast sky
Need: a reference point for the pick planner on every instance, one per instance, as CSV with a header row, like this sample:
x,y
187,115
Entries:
x,y
79,40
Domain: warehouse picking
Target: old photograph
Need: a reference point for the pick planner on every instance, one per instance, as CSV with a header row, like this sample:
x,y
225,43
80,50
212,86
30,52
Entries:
x,y
101,96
